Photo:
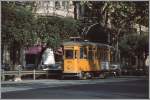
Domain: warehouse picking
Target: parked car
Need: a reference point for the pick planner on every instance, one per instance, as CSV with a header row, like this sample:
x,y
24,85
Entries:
x,y
133,71
139,72
128,71
5,67
30,67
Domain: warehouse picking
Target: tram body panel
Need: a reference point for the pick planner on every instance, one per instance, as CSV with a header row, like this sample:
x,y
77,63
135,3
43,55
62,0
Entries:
x,y
71,66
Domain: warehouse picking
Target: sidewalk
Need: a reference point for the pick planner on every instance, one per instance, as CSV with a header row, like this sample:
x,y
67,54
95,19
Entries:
x,y
26,81
125,76
49,80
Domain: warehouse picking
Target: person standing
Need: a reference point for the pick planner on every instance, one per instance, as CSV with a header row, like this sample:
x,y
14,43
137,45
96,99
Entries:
x,y
147,65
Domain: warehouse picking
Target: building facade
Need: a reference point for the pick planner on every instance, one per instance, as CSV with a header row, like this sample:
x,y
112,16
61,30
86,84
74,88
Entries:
x,y
55,8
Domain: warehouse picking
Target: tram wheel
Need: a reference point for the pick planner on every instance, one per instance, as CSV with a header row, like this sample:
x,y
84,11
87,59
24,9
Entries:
x,y
87,75
82,76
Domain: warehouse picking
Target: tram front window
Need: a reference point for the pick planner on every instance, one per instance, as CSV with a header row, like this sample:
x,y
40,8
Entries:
x,y
69,54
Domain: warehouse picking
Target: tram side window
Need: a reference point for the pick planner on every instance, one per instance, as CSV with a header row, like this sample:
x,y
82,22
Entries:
x,y
81,53
101,55
98,53
90,55
69,54
75,54
106,56
85,53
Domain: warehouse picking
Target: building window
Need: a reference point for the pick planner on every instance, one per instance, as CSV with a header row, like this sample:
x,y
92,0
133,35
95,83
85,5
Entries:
x,y
64,4
57,5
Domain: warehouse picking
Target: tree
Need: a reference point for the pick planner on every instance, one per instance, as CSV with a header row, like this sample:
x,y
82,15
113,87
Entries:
x,y
135,48
17,29
119,17
53,30
20,28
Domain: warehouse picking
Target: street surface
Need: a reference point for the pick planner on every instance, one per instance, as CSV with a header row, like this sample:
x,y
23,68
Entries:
x,y
110,88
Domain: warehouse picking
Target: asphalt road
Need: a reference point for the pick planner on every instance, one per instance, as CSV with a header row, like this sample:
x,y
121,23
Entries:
x,y
111,88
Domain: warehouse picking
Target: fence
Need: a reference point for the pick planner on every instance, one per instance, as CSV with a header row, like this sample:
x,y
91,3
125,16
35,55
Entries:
x,y
20,73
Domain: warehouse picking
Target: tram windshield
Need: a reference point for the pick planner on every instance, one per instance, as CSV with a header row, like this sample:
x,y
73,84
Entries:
x,y
69,54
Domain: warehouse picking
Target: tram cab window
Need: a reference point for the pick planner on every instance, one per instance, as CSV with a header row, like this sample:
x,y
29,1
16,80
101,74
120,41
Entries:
x,y
90,53
69,54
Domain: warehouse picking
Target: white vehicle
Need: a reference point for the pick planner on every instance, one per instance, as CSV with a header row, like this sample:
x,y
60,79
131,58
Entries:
x,y
147,61
105,65
48,58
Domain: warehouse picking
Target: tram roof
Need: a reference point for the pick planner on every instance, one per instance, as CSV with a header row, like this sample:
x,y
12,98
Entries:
x,y
84,43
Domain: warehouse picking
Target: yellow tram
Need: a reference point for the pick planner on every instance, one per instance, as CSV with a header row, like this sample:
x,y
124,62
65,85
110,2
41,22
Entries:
x,y
85,59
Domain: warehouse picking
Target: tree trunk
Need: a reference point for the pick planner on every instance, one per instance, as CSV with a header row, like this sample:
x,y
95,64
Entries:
x,y
76,10
14,51
140,29
117,52
139,62
136,62
144,60
106,19
5,55
22,57
2,53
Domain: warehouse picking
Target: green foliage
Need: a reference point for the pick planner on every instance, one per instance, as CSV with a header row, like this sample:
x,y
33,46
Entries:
x,y
120,17
20,25
53,30
17,23
17,29
134,44
122,14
